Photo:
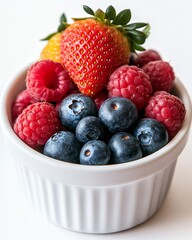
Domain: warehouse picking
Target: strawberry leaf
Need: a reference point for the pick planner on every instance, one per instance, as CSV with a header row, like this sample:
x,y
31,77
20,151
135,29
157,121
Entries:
x,y
62,27
48,37
123,17
137,33
146,30
63,18
137,25
136,46
88,10
138,38
100,14
110,13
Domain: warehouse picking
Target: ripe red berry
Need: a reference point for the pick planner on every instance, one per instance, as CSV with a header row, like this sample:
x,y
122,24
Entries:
x,y
145,57
37,123
167,109
22,100
47,81
130,82
161,75
90,51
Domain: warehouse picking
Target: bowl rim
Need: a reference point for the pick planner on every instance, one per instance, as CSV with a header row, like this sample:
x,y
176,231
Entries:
x,y
6,126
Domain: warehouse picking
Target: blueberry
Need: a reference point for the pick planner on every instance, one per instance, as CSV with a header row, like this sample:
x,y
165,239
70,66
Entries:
x,y
89,128
151,134
124,148
75,107
63,146
118,114
95,152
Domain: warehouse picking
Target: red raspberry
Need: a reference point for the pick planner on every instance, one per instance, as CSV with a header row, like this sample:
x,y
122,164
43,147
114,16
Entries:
x,y
38,122
47,81
22,100
145,57
161,75
130,82
99,98
168,109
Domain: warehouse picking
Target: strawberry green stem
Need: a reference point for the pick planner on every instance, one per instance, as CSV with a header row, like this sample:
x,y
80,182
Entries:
x,y
136,33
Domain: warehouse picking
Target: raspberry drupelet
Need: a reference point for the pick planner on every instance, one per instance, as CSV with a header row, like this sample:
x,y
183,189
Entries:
x,y
167,109
22,100
47,81
161,75
145,57
130,82
37,123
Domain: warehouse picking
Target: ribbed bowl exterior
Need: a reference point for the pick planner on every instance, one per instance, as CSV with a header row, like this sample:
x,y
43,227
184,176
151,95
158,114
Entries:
x,y
96,209
93,199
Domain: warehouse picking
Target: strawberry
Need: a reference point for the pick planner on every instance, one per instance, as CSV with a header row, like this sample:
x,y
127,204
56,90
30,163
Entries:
x,y
93,47
51,50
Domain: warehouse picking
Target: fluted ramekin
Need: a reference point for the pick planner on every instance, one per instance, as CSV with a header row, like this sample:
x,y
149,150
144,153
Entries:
x,y
93,199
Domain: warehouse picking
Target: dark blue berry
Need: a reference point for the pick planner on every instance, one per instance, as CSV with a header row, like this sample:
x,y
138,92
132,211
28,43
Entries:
x,y
89,128
75,107
151,134
95,152
63,146
118,114
124,148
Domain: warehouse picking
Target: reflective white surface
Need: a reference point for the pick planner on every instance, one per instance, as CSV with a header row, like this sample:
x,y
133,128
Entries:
x,y
22,24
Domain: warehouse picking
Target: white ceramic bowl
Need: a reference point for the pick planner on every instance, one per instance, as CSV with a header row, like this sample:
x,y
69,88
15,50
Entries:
x,y
93,199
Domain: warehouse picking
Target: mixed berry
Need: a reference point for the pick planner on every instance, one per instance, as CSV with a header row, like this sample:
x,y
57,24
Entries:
x,y
93,99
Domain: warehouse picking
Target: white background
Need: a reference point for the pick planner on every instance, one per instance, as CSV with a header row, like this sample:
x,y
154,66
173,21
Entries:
x,y
22,24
